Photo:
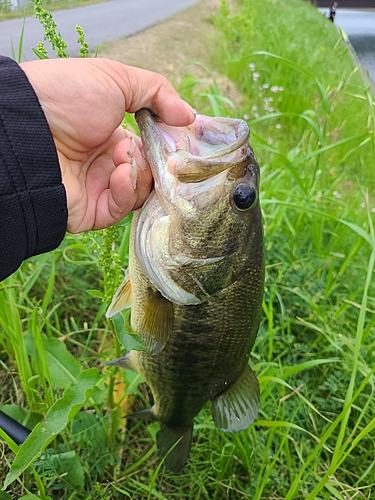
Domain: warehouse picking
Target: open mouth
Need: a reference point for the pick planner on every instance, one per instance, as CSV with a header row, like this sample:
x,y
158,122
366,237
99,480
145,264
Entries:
x,y
195,153
207,137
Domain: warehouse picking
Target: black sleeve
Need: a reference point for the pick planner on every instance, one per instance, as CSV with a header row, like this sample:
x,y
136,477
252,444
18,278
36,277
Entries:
x,y
33,209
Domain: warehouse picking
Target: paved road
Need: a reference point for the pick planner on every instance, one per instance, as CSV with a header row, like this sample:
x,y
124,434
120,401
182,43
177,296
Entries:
x,y
360,28
356,22
359,25
100,22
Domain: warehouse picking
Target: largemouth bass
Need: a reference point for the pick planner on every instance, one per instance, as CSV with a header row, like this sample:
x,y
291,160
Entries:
x,y
195,278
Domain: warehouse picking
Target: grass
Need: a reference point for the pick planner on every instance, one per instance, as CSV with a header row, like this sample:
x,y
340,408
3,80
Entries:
x,y
312,122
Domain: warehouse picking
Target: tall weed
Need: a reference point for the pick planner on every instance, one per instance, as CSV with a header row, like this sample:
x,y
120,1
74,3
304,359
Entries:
x,y
312,129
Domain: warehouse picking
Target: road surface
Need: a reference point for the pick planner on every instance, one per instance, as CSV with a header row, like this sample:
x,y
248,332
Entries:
x,y
359,25
360,28
100,22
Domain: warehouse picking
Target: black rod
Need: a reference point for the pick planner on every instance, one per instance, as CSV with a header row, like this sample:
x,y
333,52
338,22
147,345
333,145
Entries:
x,y
14,429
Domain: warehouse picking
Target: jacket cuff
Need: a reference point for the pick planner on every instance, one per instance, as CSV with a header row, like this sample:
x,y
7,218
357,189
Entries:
x,y
33,207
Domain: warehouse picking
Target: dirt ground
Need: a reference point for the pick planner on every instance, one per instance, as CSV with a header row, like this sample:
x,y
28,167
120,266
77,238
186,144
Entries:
x,y
171,46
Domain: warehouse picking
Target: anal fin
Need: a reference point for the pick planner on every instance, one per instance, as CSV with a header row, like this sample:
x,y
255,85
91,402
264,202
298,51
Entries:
x,y
174,446
237,407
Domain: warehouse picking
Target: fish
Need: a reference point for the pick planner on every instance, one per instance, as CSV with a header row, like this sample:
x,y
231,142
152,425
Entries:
x,y
195,279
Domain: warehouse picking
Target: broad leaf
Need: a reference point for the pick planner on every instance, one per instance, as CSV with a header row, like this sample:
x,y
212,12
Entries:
x,y
57,418
63,366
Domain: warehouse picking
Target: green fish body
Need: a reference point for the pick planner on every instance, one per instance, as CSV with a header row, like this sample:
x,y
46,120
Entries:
x,y
195,279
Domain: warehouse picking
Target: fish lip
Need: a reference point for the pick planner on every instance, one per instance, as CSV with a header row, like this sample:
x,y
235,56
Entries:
x,y
151,128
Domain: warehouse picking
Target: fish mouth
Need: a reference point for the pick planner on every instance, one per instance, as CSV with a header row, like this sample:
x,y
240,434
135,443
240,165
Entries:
x,y
208,137
201,150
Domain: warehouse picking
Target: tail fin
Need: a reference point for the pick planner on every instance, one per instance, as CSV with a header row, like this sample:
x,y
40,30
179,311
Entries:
x,y
174,444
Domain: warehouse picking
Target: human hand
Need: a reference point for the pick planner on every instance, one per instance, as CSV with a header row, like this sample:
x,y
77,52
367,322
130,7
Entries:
x,y
84,101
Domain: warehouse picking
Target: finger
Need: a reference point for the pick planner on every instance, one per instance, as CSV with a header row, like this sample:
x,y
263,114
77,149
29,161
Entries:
x,y
122,197
180,114
115,202
127,148
144,185
116,182
163,100
146,89
125,195
128,151
170,116
139,174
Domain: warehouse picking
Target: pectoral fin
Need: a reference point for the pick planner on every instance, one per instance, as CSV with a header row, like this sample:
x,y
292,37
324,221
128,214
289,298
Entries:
x,y
237,407
157,321
122,298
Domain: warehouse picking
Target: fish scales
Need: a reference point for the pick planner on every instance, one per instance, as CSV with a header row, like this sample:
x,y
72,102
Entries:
x,y
195,279
189,371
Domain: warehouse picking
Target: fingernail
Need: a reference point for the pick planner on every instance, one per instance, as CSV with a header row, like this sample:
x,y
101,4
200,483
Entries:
x,y
194,111
133,173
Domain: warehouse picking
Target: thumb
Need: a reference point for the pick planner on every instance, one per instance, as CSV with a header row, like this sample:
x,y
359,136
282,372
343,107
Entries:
x,y
146,89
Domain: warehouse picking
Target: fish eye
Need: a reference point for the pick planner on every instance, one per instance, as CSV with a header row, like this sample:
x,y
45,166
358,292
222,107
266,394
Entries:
x,y
244,196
